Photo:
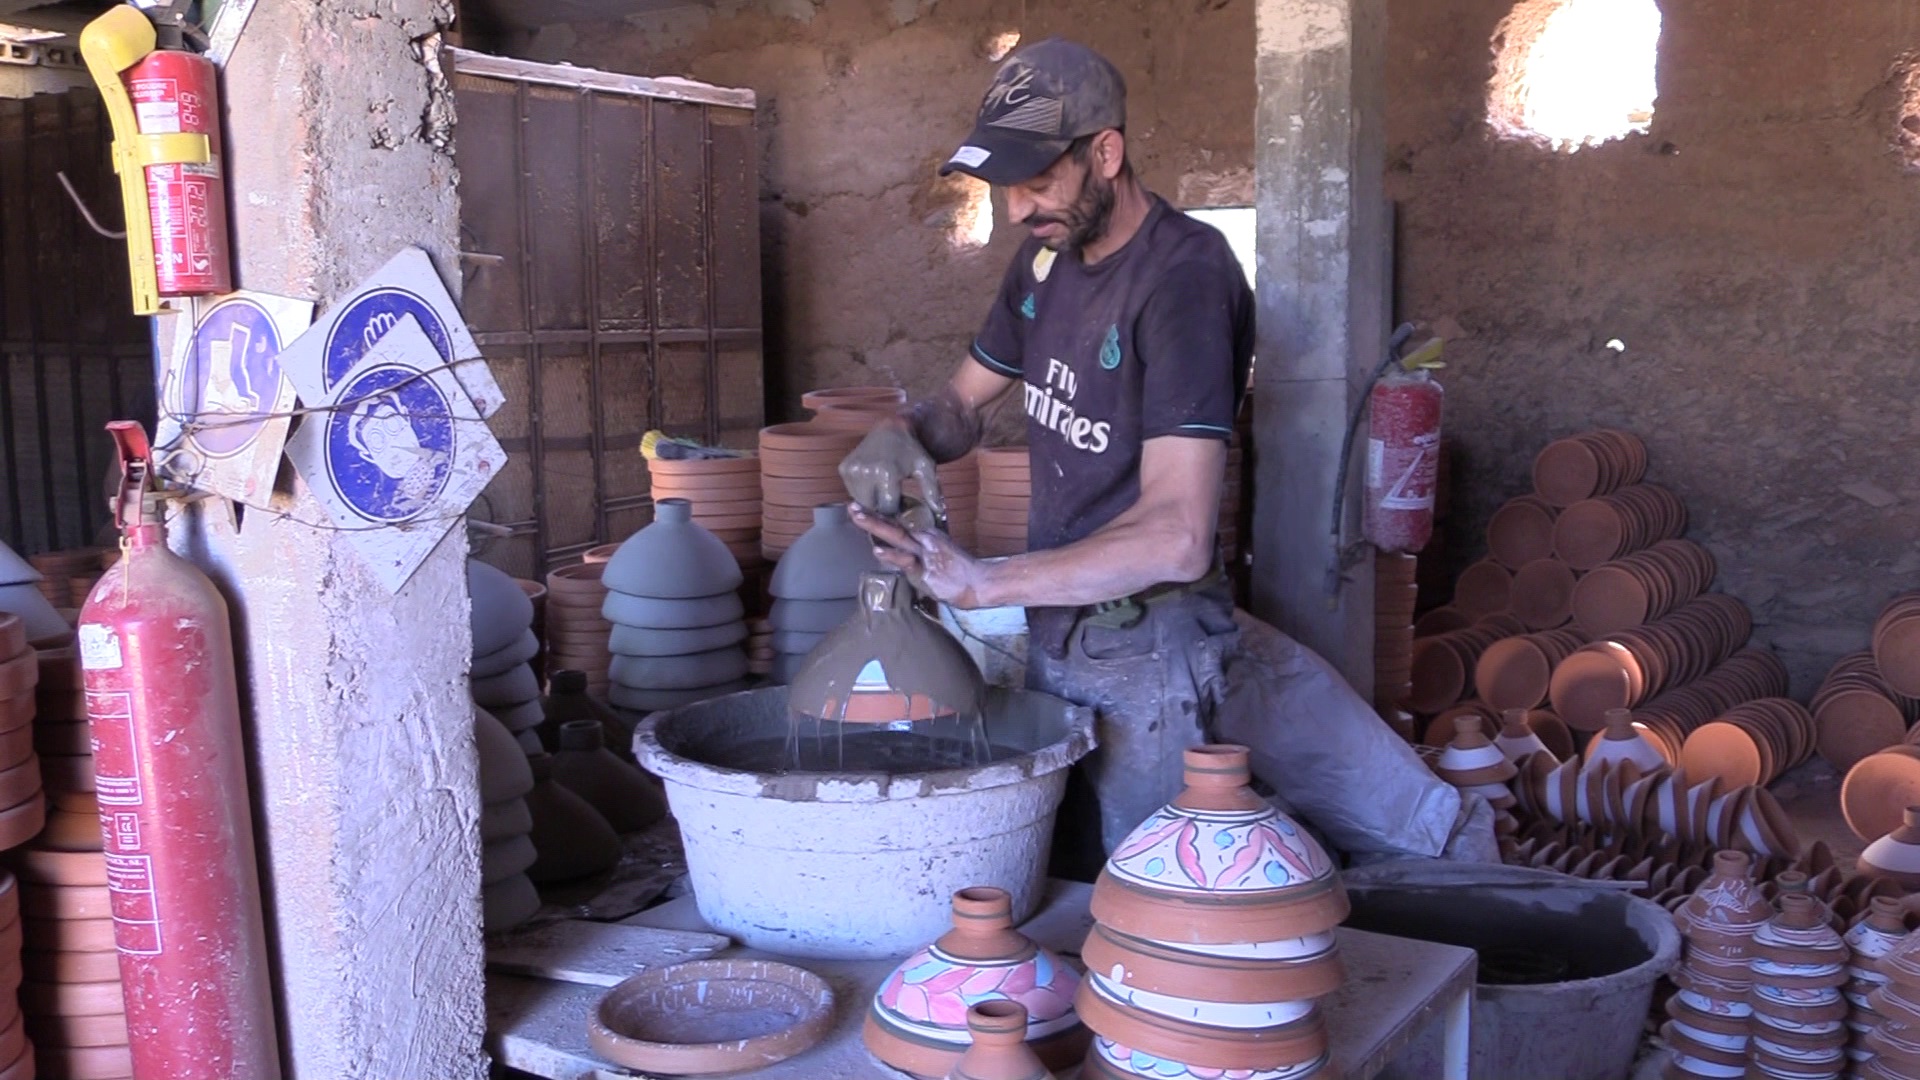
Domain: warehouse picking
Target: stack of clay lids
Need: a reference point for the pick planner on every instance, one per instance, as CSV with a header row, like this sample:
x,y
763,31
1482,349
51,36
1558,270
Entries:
x,y
725,493
1641,587
760,651
1895,1043
507,895
815,586
16,1053
1444,725
1799,1014
799,470
1519,739
1541,593
1215,922
678,622
1515,672
1587,465
1006,488
61,736
22,804
1484,588
854,408
1394,596
63,572
1595,531
1472,763
1521,531
1632,666
1869,941
1877,791
502,677
71,997
1751,743
20,594
1443,666
576,631
1709,1016
960,487
1858,713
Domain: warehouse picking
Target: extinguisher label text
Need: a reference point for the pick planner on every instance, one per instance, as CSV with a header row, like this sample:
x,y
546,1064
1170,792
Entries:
x,y
99,648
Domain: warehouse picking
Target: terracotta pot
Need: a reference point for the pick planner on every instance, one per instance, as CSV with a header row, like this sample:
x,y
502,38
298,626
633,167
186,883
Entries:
x,y
1247,974
917,1020
1262,1037
1259,878
999,1049
844,395
1113,1061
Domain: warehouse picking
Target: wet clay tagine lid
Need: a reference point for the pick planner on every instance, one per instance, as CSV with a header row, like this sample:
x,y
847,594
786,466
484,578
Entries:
x,y
827,561
999,1045
917,1021
673,558
1218,866
888,663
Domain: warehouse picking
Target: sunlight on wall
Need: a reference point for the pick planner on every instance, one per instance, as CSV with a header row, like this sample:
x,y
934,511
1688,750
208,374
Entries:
x,y
1575,73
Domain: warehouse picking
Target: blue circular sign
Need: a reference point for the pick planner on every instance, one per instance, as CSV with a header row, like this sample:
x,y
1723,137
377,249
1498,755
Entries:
x,y
368,318
390,443
232,371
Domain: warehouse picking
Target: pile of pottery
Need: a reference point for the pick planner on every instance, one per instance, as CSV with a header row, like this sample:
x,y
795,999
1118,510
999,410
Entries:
x,y
68,577
20,595
1484,588
917,1021
815,586
1599,530
628,798
1751,743
1442,726
1895,857
1895,1041
1471,762
1799,964
1525,732
1623,799
570,838
577,634
1541,596
1858,713
1896,644
1521,531
960,487
1515,672
507,897
725,493
75,1012
799,470
1642,587
1394,596
1587,465
1006,487
1442,671
1629,667
1869,941
1210,955
502,677
1624,741
62,740
853,408
678,628
1709,1019
1655,876
1748,675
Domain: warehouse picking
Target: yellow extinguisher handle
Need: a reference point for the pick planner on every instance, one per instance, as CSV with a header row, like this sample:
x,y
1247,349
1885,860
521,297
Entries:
x,y
110,45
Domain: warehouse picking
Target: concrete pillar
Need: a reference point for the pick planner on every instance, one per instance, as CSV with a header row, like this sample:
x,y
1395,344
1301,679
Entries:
x,y
1323,309
361,730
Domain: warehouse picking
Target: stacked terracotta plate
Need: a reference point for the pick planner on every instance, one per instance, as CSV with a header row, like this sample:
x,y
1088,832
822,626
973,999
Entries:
x,y
678,624
1895,1042
75,1014
1632,666
1584,466
1858,713
760,652
1441,620
1625,800
1869,941
1443,666
1394,596
960,487
1642,587
855,408
1598,530
1521,531
576,631
61,737
17,1060
1485,588
1006,487
1747,675
1752,743
507,896
815,586
799,470
67,576
1541,595
1709,1017
1211,957
1896,644
725,493
20,594
1515,672
502,677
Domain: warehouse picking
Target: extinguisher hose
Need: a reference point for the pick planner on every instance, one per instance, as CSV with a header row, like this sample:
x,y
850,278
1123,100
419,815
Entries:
x,y
1401,336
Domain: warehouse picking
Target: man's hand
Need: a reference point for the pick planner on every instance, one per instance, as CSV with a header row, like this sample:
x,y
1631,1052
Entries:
x,y
882,462
931,560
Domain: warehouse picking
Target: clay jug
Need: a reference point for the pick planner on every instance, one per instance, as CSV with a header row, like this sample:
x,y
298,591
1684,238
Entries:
x,y
917,1021
567,699
629,799
572,839
999,1050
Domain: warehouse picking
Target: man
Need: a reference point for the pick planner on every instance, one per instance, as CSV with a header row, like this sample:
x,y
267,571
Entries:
x,y
1130,327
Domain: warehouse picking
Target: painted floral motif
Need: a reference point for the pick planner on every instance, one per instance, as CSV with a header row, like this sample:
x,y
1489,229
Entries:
x,y
1140,1063
934,990
1213,852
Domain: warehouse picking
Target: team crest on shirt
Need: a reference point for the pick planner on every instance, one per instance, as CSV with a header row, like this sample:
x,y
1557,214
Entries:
x,y
1043,263
1026,306
1110,349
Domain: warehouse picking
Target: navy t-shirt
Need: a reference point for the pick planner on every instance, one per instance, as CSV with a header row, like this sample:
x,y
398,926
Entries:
x,y
1154,340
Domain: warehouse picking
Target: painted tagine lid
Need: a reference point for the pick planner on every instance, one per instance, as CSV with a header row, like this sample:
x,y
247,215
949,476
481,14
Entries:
x,y
918,1019
1798,948
1726,910
1470,759
1111,1060
887,663
999,1049
672,559
1219,866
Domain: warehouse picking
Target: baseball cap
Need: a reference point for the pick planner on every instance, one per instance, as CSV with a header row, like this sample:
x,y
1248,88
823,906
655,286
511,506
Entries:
x,y
1045,96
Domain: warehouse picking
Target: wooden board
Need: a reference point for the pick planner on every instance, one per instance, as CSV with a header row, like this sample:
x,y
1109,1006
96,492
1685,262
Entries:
x,y
596,954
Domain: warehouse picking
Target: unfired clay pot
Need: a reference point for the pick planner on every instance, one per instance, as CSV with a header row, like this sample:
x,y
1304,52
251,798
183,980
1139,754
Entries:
x,y
918,1020
508,903
503,765
572,838
999,1049
811,616
672,559
827,561
501,609
629,799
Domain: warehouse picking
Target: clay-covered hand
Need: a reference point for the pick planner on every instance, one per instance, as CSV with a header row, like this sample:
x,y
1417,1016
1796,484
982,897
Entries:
x,y
882,462
936,565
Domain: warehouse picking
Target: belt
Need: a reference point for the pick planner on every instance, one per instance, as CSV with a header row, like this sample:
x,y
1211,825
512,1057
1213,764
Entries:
x,y
1129,610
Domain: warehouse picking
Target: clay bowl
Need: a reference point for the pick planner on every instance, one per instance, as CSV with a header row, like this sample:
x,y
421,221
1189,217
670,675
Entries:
x,y
815,400
710,1017
805,438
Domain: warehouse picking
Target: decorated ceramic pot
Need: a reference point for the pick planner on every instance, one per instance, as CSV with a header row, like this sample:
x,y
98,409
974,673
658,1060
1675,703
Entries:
x,y
998,1048
1798,949
1299,970
1114,1061
1471,759
1700,1011
1724,913
917,1021
1219,866
1204,1035
1870,940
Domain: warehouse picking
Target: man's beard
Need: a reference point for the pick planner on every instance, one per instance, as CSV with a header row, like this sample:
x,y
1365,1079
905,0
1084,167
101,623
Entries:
x,y
1086,220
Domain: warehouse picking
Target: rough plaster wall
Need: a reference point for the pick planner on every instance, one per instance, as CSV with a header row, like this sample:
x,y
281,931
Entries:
x,y
861,100
365,769
22,81
1755,253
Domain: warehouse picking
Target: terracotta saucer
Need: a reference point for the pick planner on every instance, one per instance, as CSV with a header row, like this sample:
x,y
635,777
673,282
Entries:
x,y
711,1016
1521,531
71,967
72,935
1541,596
1588,683
44,866
86,1063
1566,471
72,999
1725,751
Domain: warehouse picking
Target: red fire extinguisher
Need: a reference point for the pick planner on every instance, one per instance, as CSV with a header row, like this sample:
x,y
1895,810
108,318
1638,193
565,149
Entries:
x,y
1403,455
164,711
175,92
